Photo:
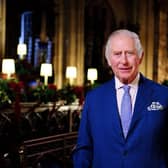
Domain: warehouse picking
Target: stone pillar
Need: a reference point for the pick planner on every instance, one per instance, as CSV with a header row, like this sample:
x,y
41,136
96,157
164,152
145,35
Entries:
x,y
69,40
146,22
80,44
2,28
162,49
58,43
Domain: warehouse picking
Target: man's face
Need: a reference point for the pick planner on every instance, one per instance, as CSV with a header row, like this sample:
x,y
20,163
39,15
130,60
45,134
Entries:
x,y
124,60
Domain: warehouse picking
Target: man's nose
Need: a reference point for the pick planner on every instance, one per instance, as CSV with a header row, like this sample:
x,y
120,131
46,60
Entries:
x,y
124,58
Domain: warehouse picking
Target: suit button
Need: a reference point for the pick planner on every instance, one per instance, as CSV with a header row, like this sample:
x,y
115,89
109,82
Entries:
x,y
125,152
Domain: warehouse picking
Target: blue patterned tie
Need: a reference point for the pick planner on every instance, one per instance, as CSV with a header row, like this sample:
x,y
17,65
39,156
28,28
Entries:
x,y
126,110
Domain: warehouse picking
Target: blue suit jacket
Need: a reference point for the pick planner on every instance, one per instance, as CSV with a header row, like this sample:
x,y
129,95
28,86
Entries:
x,y
101,143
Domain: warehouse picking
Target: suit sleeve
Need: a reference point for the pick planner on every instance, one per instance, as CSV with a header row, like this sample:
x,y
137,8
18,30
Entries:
x,y
82,154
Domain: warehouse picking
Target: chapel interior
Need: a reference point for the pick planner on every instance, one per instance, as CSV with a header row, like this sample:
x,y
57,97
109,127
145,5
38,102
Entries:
x,y
40,109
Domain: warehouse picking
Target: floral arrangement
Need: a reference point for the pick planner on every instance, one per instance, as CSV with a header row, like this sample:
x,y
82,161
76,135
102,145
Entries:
x,y
13,90
8,91
4,94
66,93
42,93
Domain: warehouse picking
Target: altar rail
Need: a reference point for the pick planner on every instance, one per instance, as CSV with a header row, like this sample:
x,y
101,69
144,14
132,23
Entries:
x,y
37,123
55,150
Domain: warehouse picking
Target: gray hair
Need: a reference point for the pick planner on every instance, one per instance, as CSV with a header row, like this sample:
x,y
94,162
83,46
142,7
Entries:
x,y
131,34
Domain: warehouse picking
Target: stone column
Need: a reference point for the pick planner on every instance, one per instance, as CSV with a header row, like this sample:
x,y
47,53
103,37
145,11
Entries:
x,y
69,40
162,47
75,57
146,22
2,28
58,43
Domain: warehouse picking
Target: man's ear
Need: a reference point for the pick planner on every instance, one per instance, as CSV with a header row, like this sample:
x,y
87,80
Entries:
x,y
108,62
141,58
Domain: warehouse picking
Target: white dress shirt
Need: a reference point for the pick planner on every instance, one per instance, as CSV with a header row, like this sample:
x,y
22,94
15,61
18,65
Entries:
x,y
120,91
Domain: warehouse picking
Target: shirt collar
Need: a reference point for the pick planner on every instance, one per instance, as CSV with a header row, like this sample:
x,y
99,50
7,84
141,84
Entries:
x,y
133,84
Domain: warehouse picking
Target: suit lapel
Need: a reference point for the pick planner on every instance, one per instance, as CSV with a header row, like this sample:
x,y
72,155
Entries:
x,y
114,118
142,99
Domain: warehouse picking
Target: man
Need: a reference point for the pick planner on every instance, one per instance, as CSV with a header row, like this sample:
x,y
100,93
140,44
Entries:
x,y
104,141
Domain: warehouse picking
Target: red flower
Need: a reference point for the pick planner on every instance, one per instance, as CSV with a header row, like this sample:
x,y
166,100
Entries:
x,y
79,92
52,87
16,86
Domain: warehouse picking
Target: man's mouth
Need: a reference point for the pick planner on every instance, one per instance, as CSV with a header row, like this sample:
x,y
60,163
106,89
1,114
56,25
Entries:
x,y
125,69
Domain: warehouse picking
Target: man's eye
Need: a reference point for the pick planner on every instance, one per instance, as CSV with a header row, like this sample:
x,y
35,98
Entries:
x,y
130,53
118,53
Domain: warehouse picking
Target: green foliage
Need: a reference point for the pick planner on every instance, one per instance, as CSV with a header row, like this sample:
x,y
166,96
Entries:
x,y
11,89
67,93
165,82
7,95
43,93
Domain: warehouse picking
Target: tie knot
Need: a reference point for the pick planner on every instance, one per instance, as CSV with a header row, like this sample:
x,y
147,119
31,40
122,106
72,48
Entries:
x,y
126,88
